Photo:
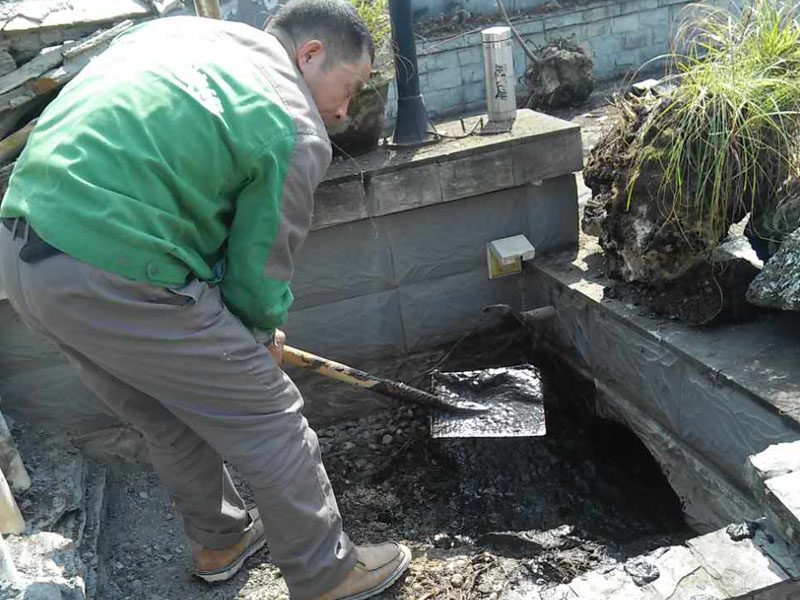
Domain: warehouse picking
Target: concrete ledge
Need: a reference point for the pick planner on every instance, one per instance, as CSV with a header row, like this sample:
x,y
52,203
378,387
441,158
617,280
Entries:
x,y
723,393
384,182
777,460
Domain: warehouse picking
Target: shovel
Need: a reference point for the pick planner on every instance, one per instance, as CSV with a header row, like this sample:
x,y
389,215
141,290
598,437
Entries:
x,y
490,403
504,402
380,385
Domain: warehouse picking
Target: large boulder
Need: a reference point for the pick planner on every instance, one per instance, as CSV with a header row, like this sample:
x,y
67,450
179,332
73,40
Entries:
x,y
771,222
645,239
778,284
561,76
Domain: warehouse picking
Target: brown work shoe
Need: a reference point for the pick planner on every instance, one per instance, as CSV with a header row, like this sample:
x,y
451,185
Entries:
x,y
220,565
378,567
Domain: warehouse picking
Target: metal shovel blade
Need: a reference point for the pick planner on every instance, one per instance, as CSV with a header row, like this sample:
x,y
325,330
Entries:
x,y
512,395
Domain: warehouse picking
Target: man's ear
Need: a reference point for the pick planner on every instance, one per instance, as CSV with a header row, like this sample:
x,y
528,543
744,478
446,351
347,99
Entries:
x,y
309,53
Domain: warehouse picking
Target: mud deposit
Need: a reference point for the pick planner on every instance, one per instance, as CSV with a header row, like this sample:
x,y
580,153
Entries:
x,y
512,396
485,518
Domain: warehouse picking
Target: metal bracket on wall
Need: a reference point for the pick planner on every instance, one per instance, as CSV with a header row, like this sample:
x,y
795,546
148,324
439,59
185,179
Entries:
x,y
504,256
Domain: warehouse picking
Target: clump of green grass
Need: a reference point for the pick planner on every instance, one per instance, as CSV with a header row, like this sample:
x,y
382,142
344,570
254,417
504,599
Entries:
x,y
729,133
376,15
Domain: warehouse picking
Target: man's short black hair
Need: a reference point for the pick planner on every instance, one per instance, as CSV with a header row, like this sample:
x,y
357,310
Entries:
x,y
334,22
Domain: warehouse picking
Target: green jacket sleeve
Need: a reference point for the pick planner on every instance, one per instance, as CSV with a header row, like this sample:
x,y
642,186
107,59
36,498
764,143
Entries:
x,y
271,220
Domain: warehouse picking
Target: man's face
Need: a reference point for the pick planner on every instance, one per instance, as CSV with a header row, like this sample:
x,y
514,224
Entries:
x,y
332,86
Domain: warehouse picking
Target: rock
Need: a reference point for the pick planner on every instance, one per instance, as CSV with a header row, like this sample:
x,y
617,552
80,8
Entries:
x,y
59,482
387,439
49,566
771,222
443,540
741,531
646,237
42,591
7,64
457,580
562,76
531,541
365,121
778,284
641,571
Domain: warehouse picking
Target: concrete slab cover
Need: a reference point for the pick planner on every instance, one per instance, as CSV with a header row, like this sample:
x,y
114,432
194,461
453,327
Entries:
x,y
382,182
613,584
528,125
34,14
778,459
738,567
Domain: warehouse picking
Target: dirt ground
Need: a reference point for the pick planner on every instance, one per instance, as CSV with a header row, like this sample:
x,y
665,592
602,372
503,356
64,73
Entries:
x,y
485,519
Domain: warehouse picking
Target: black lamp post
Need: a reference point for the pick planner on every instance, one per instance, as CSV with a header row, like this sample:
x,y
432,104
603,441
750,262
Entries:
x,y
412,118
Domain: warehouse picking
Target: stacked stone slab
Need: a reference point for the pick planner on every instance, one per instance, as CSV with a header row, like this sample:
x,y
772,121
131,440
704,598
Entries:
x,y
774,478
43,45
714,566
56,555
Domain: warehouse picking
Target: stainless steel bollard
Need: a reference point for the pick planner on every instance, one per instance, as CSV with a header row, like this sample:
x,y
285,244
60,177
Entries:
x,y
498,65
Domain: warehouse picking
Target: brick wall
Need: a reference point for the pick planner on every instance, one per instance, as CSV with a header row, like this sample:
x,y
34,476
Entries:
x,y
623,36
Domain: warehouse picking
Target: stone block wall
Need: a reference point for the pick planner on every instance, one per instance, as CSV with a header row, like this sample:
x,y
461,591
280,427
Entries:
x,y
396,260
623,36
416,279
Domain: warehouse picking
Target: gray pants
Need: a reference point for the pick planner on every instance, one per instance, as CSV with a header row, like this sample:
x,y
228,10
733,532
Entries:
x,y
184,371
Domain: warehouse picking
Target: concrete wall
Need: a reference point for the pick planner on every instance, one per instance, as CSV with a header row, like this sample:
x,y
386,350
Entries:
x,y
415,279
396,261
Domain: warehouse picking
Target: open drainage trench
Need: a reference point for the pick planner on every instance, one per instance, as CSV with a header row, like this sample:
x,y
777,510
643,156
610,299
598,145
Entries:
x,y
484,517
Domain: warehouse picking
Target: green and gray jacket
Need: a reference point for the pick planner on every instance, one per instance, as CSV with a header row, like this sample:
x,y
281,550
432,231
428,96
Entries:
x,y
190,147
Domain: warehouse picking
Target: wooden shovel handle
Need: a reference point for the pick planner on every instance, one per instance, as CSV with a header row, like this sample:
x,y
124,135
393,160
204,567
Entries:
x,y
328,368
380,385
